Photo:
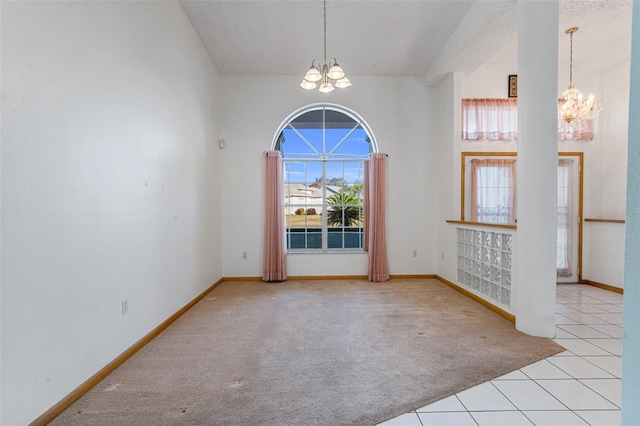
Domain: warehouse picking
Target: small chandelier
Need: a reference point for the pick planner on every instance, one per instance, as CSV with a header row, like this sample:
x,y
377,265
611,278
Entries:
x,y
575,106
329,75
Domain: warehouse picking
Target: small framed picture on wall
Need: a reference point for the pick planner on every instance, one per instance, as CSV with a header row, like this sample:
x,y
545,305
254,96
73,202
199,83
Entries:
x,y
513,86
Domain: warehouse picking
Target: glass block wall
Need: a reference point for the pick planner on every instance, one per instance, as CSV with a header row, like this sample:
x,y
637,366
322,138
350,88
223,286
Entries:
x,y
484,263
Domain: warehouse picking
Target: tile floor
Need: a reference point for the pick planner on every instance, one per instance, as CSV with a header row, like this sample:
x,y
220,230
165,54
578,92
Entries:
x,y
580,386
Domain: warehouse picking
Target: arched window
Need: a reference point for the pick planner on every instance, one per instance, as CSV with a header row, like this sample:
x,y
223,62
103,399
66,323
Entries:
x,y
324,147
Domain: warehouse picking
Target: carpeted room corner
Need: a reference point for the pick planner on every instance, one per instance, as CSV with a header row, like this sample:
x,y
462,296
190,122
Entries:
x,y
322,352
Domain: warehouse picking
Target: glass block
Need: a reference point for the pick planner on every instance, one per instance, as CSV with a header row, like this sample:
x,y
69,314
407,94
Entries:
x,y
505,296
507,240
497,241
468,250
495,274
495,292
476,267
461,249
467,279
477,237
496,257
485,287
486,271
476,252
460,262
460,276
460,234
468,265
506,279
468,235
493,271
506,261
485,256
487,239
475,283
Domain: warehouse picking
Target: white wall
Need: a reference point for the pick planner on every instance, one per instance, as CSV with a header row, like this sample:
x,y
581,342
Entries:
x,y
110,187
605,179
396,109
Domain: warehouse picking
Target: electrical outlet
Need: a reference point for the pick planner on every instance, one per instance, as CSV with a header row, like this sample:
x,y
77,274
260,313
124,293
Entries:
x,y
244,255
414,253
125,306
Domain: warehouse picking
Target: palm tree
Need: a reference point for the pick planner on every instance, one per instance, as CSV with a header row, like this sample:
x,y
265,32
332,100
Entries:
x,y
344,209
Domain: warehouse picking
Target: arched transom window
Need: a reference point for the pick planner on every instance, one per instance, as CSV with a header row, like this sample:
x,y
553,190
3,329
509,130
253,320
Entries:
x,y
324,148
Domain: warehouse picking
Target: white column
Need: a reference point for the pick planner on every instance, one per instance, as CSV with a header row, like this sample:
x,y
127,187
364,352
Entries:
x,y
537,165
631,330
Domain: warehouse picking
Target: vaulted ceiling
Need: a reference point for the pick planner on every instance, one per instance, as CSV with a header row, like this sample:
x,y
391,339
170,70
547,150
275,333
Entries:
x,y
426,38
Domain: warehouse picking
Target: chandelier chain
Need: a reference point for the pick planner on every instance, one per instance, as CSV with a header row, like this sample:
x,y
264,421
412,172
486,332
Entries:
x,y
325,31
571,57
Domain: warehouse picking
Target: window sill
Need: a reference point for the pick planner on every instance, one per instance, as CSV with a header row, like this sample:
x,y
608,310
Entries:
x,y
489,225
300,251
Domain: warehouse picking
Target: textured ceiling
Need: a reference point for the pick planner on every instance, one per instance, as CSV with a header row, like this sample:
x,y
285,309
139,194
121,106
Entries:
x,y
393,37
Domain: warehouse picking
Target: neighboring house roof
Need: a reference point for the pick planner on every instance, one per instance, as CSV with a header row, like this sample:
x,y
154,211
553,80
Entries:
x,y
333,189
301,190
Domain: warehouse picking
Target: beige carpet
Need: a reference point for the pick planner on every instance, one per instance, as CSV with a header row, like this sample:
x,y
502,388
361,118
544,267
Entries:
x,y
309,353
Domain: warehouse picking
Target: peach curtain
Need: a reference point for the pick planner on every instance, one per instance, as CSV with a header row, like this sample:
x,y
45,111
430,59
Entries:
x,y
365,207
275,256
375,233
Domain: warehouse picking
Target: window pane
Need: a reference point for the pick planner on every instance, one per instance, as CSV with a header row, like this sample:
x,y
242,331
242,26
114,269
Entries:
x,y
301,143
356,145
336,139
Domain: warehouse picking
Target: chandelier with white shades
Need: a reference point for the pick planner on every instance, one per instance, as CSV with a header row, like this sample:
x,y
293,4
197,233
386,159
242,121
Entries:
x,y
330,75
575,106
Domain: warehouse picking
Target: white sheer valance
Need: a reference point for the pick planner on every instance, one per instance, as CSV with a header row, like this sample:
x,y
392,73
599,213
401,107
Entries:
x,y
497,119
493,119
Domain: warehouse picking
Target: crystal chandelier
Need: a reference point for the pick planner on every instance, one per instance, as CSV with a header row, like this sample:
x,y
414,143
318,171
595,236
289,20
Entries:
x,y
329,75
575,106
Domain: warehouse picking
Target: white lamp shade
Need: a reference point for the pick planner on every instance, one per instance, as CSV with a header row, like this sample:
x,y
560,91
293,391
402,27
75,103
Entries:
x,y
326,87
343,83
313,74
308,85
336,72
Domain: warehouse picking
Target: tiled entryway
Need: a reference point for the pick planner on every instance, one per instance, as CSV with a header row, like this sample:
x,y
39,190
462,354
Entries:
x,y
581,386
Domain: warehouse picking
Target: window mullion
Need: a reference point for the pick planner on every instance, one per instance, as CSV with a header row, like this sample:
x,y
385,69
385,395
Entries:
x,y
325,208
